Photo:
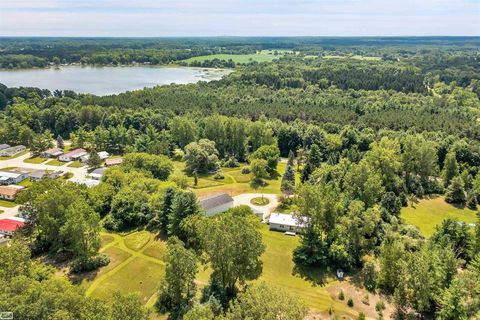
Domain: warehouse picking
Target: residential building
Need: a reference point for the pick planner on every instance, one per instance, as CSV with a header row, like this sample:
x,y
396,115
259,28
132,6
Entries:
x,y
216,204
97,174
72,155
86,182
102,155
52,153
113,162
43,174
11,177
12,151
8,226
285,222
4,146
9,192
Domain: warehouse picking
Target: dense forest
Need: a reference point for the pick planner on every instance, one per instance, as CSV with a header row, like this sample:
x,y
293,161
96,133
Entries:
x,y
366,137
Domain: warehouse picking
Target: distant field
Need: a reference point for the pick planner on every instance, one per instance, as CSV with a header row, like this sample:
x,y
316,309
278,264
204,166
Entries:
x,y
262,56
357,57
429,213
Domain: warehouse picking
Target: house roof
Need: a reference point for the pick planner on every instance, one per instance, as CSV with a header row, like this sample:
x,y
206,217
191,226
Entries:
x,y
113,161
53,151
10,174
75,153
284,219
103,155
9,191
10,225
4,146
215,201
38,174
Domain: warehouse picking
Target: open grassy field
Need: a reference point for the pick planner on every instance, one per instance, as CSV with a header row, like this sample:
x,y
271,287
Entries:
x,y
428,213
137,265
261,56
234,182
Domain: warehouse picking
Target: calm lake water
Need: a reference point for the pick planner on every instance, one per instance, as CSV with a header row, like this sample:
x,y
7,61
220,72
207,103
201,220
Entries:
x,y
105,80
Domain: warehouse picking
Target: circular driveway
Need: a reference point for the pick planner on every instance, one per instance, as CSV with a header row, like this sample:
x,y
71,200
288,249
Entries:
x,y
262,211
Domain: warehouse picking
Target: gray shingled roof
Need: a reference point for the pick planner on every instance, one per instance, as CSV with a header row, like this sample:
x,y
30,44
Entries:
x,y
215,201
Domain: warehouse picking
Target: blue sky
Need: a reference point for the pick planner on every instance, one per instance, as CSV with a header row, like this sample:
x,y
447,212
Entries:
x,y
149,18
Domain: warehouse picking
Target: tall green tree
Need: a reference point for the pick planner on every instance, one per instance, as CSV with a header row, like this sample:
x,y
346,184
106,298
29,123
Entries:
x,y
177,290
450,168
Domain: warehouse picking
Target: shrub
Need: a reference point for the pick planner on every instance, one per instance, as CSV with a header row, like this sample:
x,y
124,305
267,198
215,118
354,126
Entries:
x,y
219,176
380,306
231,163
350,302
246,170
366,300
361,316
93,263
341,295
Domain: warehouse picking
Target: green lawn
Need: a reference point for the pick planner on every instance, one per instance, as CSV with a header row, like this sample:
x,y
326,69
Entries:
x,y
7,204
26,183
35,160
76,164
55,162
136,265
262,56
429,213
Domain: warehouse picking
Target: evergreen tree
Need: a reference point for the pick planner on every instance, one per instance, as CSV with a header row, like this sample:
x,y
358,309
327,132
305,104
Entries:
x,y
314,159
185,204
456,192
450,168
94,160
288,180
291,158
166,209
60,142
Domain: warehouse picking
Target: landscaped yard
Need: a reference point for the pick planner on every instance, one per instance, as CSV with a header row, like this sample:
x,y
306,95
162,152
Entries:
x,y
137,265
35,160
75,164
55,162
428,213
7,204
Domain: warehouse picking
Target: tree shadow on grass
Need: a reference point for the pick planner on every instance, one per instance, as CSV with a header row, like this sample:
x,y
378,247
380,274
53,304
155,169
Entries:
x,y
316,276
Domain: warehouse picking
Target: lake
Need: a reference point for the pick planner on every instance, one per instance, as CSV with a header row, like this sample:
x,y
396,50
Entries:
x,y
106,80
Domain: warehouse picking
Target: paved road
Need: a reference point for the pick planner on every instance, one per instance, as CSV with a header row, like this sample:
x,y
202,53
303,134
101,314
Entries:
x,y
78,173
244,199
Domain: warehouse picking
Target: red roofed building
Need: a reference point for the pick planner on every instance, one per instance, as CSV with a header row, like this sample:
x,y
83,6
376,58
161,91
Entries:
x,y
8,226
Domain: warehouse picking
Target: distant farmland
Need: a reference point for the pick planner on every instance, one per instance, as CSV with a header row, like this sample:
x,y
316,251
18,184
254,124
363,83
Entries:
x,y
262,56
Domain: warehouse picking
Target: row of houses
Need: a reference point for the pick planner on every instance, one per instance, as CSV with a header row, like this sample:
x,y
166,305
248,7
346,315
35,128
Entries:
x,y
9,151
288,223
78,154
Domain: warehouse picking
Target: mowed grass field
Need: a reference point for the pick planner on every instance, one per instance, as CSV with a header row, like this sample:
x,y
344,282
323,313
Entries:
x,y
428,213
137,265
234,182
261,56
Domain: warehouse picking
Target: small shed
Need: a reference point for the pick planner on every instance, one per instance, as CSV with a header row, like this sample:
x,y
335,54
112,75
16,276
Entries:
x,y
216,204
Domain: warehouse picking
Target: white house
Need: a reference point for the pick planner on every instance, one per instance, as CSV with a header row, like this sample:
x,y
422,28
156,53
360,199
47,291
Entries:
x,y
102,155
97,174
12,151
10,177
52,153
285,222
216,204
